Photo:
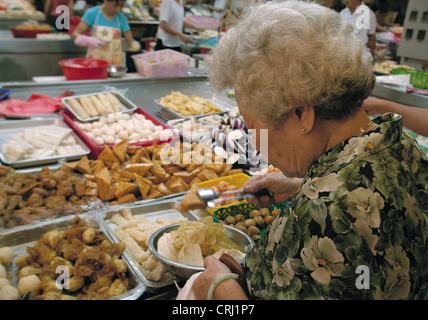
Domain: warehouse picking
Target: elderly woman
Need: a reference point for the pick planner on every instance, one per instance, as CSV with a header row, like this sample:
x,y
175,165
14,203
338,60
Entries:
x,y
356,223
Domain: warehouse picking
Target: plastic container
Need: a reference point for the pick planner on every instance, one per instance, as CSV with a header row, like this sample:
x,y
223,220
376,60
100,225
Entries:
x,y
418,78
162,63
22,33
204,22
206,45
84,69
236,179
97,149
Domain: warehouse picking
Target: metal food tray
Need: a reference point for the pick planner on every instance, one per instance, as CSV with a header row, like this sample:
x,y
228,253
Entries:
x,y
169,114
126,105
19,238
160,209
12,127
193,136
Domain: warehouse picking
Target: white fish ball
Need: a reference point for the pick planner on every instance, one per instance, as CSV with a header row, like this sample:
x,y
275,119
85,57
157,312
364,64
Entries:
x,y
109,132
9,293
123,134
134,137
28,284
130,129
97,132
104,120
117,127
91,135
156,135
6,255
109,139
148,124
99,140
111,118
146,132
126,116
96,124
117,141
88,126
80,125
166,134
118,116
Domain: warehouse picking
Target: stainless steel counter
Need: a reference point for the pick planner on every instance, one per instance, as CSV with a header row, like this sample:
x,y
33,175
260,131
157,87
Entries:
x,y
142,91
22,59
395,94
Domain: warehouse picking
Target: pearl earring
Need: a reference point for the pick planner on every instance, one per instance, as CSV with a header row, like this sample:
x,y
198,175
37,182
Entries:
x,y
304,130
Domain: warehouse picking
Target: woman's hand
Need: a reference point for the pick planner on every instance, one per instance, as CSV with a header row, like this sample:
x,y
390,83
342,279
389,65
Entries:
x,y
281,186
373,106
226,290
88,41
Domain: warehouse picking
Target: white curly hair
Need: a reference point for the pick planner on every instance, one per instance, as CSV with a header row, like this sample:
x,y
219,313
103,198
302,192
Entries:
x,y
280,56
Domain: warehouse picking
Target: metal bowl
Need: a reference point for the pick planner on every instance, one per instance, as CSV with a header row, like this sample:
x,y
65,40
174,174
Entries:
x,y
116,71
184,271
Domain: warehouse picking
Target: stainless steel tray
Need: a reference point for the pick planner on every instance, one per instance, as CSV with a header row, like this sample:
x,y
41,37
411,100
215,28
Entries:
x,y
161,209
191,135
19,238
126,105
12,127
169,114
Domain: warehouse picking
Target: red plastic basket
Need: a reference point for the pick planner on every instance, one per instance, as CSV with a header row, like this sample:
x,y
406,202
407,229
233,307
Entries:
x,y
97,149
22,33
84,69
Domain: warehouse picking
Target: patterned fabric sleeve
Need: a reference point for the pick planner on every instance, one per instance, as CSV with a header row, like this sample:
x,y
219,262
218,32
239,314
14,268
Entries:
x,y
356,228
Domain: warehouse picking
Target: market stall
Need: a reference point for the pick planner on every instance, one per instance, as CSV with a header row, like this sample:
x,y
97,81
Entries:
x,y
53,189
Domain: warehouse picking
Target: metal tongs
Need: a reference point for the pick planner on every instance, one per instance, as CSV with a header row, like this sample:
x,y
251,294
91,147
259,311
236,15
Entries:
x,y
211,197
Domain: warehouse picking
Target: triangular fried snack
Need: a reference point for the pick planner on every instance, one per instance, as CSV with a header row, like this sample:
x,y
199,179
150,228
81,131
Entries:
x,y
99,165
107,155
83,165
144,185
120,149
140,168
123,188
105,191
130,197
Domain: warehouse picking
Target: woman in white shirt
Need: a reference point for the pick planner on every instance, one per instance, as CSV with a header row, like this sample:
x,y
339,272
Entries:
x,y
171,22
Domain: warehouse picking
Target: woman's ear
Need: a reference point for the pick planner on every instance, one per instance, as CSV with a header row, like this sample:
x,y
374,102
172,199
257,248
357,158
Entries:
x,y
306,117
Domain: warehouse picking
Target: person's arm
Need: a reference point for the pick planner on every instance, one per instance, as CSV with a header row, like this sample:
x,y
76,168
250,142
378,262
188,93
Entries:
x,y
133,44
47,7
82,40
165,26
281,186
190,25
70,7
371,43
414,118
226,290
81,28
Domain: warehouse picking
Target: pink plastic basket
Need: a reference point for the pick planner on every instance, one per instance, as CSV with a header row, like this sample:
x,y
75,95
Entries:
x,y
162,63
204,22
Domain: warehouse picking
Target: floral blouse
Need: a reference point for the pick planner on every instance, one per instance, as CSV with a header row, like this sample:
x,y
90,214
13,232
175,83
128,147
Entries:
x,y
355,229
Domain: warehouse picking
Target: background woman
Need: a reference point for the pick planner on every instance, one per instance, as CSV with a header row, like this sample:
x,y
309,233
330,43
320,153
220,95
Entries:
x,y
358,189
107,24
